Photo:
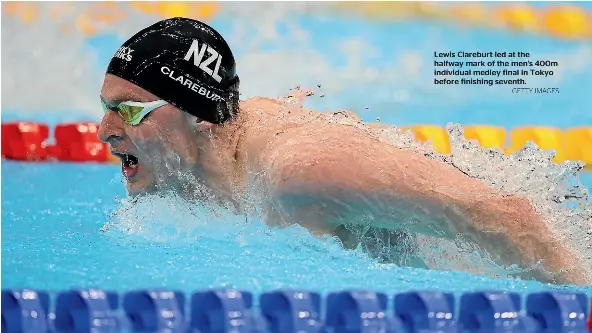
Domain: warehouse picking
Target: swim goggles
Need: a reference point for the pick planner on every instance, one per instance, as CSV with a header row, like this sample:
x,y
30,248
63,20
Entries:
x,y
133,112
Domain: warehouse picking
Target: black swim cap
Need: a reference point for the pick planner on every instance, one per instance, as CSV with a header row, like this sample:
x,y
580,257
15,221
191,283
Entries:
x,y
185,62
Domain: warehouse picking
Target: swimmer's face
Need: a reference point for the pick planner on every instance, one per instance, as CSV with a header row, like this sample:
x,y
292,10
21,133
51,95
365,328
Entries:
x,y
155,152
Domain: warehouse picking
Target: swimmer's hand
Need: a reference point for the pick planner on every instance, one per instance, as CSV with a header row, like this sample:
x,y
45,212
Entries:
x,y
323,175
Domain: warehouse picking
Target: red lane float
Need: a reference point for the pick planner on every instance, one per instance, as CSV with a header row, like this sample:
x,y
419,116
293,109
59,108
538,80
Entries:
x,y
78,142
24,141
75,142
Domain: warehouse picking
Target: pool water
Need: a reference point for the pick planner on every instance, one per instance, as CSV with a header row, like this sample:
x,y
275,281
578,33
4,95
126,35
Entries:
x,y
54,237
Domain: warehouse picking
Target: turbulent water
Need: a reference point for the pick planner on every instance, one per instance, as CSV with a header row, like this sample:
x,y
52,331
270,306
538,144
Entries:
x,y
554,189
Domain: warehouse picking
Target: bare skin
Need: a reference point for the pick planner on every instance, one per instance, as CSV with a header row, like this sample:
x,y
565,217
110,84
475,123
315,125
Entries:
x,y
321,175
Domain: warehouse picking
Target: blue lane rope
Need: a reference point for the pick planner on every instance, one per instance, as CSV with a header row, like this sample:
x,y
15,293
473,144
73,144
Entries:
x,y
286,311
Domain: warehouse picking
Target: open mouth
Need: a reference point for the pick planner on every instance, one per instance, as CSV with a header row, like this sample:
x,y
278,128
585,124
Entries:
x,y
129,164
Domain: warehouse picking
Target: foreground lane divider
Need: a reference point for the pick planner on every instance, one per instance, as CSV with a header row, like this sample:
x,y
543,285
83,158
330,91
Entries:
x,y
292,311
357,311
144,306
558,312
482,312
225,311
426,311
287,311
86,311
25,311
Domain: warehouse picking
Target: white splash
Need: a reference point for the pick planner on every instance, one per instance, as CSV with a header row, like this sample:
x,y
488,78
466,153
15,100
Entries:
x,y
554,189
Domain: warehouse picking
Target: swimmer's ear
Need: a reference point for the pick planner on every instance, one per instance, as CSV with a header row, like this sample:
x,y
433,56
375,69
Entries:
x,y
202,125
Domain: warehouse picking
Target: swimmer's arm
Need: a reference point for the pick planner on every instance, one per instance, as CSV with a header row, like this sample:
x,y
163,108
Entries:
x,y
325,178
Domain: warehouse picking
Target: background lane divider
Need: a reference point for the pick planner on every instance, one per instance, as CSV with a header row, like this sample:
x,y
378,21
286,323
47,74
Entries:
x,y
436,134
487,136
74,142
561,21
78,141
546,138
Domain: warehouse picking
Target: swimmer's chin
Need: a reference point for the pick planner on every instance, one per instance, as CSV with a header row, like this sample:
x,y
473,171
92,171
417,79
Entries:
x,y
135,190
197,194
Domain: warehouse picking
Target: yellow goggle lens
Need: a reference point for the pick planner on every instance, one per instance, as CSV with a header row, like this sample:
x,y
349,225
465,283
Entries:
x,y
129,113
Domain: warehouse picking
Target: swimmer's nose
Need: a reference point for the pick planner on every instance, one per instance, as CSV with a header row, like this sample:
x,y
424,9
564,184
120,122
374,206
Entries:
x,y
111,129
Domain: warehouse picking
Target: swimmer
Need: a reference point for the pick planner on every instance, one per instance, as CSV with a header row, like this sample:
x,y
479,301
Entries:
x,y
172,108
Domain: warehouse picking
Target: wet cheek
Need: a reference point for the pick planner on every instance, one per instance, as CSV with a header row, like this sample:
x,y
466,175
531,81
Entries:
x,y
146,142
153,153
157,147
148,145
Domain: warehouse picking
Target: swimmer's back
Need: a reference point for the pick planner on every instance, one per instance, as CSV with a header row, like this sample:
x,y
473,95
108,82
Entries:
x,y
265,119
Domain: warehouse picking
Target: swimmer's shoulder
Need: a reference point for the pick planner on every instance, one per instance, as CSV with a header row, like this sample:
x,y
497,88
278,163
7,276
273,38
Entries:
x,y
260,121
259,103
276,106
